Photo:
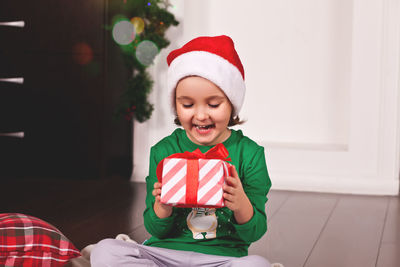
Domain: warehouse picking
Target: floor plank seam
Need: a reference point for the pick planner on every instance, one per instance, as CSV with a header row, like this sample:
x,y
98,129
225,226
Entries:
x,y
280,206
322,230
383,230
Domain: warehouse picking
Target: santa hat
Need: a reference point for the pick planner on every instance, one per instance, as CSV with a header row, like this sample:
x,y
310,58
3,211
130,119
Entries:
x,y
213,58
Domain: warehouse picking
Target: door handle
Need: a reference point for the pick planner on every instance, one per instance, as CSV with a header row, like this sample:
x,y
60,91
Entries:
x,y
16,134
19,80
19,23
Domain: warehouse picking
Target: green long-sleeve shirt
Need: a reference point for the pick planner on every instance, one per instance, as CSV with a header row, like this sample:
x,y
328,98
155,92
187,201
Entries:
x,y
218,234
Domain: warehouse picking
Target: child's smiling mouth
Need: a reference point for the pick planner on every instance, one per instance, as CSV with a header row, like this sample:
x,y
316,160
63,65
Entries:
x,y
204,129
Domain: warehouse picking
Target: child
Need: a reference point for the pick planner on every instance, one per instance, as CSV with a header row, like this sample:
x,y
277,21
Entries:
x,y
206,85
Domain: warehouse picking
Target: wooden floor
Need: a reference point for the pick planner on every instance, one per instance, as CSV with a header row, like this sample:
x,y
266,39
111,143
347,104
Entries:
x,y
305,229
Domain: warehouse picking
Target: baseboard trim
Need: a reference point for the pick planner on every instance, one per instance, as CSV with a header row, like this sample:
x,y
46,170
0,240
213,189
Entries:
x,y
359,186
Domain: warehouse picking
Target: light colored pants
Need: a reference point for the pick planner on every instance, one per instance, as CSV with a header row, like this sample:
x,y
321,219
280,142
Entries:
x,y
116,253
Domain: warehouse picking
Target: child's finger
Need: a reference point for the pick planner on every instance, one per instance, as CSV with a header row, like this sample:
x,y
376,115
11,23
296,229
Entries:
x,y
228,188
157,185
231,181
156,192
235,176
234,172
228,197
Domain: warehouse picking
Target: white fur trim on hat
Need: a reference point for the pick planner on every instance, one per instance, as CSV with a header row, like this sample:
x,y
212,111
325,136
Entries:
x,y
211,67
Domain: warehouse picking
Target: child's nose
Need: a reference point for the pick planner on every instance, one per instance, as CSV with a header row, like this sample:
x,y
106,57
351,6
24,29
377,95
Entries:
x,y
201,114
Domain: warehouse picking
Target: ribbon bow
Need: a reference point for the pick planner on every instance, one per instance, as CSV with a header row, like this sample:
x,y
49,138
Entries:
x,y
219,151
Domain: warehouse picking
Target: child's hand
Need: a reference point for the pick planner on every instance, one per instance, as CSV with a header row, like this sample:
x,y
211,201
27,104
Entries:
x,y
161,210
236,199
157,191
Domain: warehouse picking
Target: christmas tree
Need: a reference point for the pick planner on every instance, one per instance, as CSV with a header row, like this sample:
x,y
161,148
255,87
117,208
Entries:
x,y
140,33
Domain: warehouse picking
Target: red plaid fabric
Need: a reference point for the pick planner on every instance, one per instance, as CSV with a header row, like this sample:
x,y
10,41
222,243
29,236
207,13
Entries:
x,y
29,241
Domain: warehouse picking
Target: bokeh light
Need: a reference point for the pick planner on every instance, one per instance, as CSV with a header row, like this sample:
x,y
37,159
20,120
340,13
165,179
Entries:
x,y
139,24
146,51
82,53
123,32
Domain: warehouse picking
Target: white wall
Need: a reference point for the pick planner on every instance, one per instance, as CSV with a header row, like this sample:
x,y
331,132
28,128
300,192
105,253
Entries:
x,y
322,88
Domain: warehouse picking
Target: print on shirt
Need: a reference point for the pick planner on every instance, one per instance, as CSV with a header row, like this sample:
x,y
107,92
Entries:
x,y
203,223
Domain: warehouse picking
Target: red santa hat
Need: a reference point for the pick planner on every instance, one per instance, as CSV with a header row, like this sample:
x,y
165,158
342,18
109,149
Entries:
x,y
213,58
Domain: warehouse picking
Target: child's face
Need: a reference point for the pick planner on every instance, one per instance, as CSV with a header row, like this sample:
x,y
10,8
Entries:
x,y
203,110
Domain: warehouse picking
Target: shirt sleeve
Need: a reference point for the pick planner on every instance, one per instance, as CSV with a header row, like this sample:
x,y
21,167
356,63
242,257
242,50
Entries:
x,y
156,226
256,184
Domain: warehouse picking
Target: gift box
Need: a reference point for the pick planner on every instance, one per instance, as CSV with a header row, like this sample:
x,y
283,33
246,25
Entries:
x,y
194,179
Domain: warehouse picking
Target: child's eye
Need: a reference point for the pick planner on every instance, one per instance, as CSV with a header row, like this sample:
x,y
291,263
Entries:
x,y
213,106
187,105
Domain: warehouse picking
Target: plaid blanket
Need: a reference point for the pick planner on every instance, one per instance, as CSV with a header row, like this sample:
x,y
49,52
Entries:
x,y
28,241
